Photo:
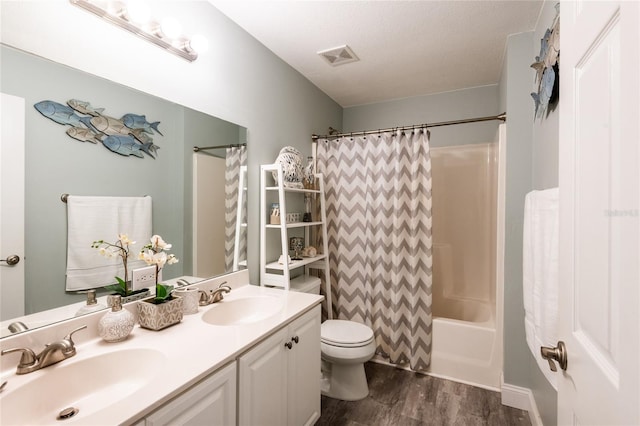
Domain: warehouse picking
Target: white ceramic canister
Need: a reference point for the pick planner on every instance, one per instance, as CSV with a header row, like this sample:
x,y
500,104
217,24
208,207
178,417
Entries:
x,y
190,299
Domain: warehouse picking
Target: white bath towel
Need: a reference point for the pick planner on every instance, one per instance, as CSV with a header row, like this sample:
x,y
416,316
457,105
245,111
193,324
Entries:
x,y
103,218
540,274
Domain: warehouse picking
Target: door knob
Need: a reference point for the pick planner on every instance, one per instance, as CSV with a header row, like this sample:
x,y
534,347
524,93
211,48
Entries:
x,y
559,354
11,260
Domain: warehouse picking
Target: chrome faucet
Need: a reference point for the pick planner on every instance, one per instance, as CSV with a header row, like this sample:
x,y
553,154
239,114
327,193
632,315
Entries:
x,y
214,296
51,354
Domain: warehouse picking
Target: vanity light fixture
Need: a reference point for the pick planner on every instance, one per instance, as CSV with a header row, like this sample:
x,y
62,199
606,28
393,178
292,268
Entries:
x,y
134,16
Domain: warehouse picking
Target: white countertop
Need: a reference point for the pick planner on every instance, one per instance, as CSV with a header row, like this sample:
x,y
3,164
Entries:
x,y
193,350
50,316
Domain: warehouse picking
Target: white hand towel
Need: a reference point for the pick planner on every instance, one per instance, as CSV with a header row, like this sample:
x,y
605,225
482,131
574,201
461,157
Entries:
x,y
540,274
103,218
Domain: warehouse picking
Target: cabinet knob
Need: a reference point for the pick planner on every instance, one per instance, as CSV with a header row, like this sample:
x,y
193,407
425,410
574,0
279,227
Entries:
x,y
289,345
295,339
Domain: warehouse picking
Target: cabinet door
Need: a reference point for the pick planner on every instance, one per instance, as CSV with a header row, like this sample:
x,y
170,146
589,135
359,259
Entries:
x,y
210,402
304,369
263,383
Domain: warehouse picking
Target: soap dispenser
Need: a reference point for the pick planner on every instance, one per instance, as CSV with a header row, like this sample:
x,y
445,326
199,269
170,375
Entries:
x,y
116,324
92,304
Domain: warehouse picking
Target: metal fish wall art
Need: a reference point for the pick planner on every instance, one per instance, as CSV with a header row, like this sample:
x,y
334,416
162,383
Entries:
x,y
60,113
134,121
129,135
84,107
83,135
127,145
547,66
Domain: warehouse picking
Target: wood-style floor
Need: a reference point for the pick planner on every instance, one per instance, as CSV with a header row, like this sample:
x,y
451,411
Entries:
x,y
403,398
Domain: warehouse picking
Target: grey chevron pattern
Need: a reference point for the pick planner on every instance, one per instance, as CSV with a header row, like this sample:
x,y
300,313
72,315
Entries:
x,y
235,158
378,198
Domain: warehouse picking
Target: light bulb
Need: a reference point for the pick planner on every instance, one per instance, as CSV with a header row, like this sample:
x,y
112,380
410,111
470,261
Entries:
x,y
199,43
117,8
138,11
170,27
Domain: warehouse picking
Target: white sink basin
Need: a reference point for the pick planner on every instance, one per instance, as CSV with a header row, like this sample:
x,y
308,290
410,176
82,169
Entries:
x,y
247,310
88,385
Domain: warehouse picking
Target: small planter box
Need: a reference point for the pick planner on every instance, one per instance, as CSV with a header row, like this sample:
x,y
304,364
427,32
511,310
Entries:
x,y
158,316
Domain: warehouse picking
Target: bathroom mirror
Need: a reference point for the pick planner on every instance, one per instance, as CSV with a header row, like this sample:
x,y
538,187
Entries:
x,y
56,164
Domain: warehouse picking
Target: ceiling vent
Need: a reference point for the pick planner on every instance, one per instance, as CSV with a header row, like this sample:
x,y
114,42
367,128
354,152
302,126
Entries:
x,y
339,55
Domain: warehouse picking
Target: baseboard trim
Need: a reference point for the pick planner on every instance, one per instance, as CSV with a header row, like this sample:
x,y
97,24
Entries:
x,y
522,399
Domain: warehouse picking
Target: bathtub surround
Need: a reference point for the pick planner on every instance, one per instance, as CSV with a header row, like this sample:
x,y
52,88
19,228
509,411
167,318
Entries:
x,y
467,327
379,228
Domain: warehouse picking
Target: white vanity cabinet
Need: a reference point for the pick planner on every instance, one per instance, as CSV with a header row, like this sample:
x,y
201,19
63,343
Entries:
x,y
279,379
210,402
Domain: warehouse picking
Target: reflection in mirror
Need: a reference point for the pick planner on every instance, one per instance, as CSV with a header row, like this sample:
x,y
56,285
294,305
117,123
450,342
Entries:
x,y
56,164
216,249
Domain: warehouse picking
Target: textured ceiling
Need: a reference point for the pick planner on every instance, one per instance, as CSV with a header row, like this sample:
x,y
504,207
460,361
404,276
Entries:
x,y
406,48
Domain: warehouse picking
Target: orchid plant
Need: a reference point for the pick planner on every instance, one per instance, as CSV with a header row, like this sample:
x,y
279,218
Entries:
x,y
118,249
154,253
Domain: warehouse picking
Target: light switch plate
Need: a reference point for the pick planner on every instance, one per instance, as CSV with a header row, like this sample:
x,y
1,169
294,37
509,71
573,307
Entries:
x,y
143,277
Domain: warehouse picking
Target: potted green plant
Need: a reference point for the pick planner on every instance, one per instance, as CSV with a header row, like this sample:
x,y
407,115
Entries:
x,y
163,309
120,248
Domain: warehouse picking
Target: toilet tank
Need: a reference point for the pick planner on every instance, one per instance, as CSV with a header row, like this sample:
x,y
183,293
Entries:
x,y
309,285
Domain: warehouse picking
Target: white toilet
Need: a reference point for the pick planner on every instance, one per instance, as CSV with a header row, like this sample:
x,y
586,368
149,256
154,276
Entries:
x,y
345,347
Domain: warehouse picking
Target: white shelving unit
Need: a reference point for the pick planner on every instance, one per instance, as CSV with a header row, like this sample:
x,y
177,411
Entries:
x,y
276,274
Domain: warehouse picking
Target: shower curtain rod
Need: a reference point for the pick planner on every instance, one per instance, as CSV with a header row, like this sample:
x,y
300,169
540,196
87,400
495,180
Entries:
x,y
202,148
502,117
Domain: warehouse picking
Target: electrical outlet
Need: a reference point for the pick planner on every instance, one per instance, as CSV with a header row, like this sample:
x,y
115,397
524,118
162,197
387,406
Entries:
x,y
143,277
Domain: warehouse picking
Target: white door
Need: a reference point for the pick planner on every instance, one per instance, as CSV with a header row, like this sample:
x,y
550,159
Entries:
x,y
12,206
600,213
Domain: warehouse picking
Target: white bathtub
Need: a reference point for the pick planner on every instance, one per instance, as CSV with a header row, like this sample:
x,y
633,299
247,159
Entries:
x,y
467,351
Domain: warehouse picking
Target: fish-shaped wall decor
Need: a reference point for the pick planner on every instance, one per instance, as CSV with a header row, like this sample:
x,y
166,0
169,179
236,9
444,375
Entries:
x,y
112,126
61,114
547,68
84,107
127,136
127,145
82,134
134,121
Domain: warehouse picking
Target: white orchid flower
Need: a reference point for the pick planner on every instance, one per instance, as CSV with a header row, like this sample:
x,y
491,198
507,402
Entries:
x,y
159,244
125,240
160,259
153,254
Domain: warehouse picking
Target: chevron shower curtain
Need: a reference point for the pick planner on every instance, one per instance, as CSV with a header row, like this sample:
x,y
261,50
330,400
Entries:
x,y
378,196
236,157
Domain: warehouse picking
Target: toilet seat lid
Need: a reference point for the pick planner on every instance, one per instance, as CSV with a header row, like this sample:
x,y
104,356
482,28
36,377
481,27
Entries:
x,y
345,333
